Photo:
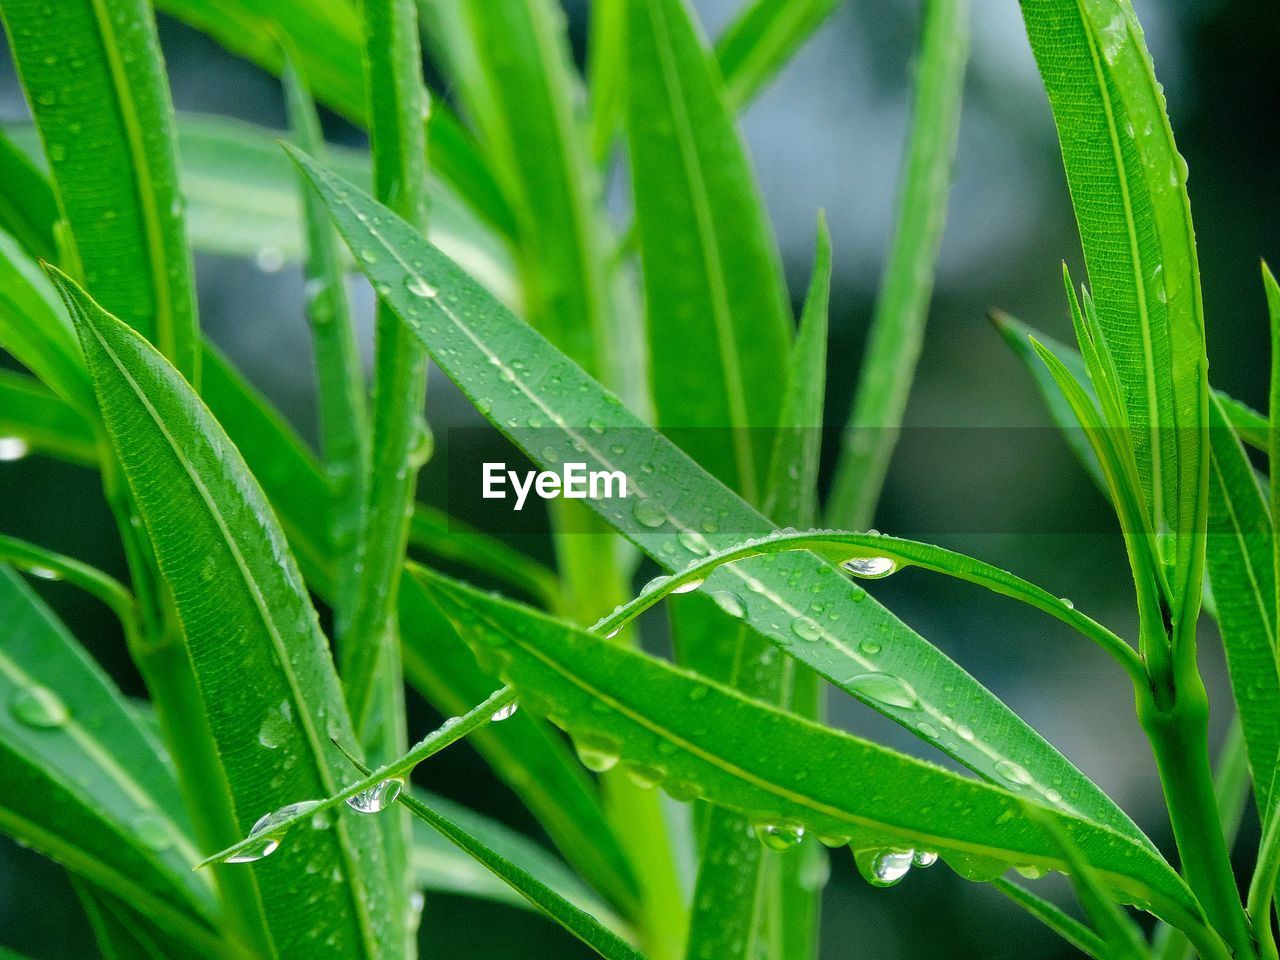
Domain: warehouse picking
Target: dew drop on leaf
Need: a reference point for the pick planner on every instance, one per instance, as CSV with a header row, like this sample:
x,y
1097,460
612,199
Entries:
x,y
806,629
729,603
778,836
869,568
597,753
504,713
883,868
13,448
419,287
151,828
39,707
924,858
263,847
1013,773
688,587
649,514
886,689
44,573
694,542
378,797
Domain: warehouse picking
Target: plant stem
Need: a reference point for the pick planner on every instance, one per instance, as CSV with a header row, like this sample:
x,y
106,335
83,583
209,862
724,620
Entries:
x,y
1178,734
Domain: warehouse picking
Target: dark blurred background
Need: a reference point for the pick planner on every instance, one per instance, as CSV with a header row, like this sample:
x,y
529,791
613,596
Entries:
x,y
829,134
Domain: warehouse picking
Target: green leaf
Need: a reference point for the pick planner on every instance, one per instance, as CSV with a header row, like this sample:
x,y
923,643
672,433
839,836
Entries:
x,y
344,427
328,38
897,326
699,738
531,759
84,783
48,565
762,39
510,63
35,329
792,490
718,319
95,81
441,865
43,422
244,614
1128,184
28,209
476,341
1241,569
570,916
1065,926
123,933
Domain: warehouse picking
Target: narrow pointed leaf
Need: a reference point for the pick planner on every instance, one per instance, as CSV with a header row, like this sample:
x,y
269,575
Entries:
x,y
1065,926
703,739
718,319
475,340
1241,569
1128,184
95,81
762,39
245,614
84,783
28,209
902,306
44,422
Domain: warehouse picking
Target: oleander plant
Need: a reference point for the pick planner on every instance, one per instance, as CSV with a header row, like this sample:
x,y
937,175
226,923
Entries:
x,y
280,600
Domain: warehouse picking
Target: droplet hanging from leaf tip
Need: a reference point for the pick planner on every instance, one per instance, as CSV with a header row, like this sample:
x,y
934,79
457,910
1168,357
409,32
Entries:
x,y
378,797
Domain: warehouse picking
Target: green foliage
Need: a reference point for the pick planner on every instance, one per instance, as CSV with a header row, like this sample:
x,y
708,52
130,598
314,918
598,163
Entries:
x,y
658,342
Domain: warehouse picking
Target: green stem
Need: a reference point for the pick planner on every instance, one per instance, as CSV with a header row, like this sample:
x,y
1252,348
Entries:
x,y
1179,739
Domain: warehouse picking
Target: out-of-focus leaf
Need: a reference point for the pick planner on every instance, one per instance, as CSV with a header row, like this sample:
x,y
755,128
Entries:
x,y
28,209
84,783
95,81
698,738
762,39
328,39
676,513
125,934
45,423
1065,926
1128,185
897,327
245,614
718,319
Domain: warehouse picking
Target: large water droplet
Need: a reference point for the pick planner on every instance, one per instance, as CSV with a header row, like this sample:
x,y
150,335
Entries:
x,y
261,847
885,689
649,514
806,629
1014,773
645,776
39,707
504,713
729,603
13,448
420,288
778,836
694,542
924,858
268,832
869,568
378,797
596,752
689,586
883,868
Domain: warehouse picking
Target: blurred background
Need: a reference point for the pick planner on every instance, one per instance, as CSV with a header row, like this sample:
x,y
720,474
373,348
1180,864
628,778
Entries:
x,y
829,134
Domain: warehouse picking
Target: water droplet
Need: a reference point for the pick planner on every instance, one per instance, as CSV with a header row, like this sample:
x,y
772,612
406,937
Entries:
x,y
886,689
1030,871
420,288
1014,773
378,797
262,847
694,542
39,707
644,776
265,835
869,647
150,827
1053,796
269,259
883,868
688,587
806,629
369,256
13,448
924,858
505,713
964,732
778,836
649,514
1066,602
869,568
729,603
927,729
44,573
596,752
595,425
